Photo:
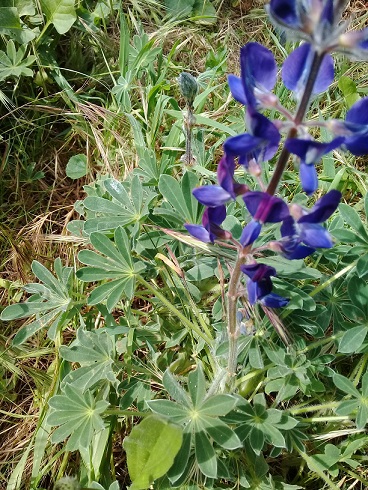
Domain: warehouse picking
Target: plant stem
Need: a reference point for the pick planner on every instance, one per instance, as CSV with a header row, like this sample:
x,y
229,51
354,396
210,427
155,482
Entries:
x,y
232,330
302,108
188,124
313,408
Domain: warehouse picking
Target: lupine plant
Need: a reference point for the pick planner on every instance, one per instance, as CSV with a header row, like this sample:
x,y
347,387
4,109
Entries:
x,y
232,348
307,71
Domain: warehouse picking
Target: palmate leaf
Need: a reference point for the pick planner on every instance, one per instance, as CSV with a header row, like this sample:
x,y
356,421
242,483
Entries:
x,y
51,302
13,63
116,263
78,416
127,204
95,353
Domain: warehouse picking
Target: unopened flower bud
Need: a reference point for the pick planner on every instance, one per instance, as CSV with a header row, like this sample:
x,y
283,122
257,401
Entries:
x,y
188,87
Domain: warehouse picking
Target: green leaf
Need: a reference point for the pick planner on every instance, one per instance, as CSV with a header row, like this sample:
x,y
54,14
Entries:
x,y
95,353
13,63
362,266
362,416
274,436
345,385
61,13
181,459
221,433
352,339
171,190
174,389
169,409
353,219
218,405
9,18
78,415
151,448
205,454
205,11
179,8
256,439
77,167
117,265
197,386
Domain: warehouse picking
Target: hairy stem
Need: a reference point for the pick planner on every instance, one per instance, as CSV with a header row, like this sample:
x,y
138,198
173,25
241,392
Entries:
x,y
188,124
302,109
232,329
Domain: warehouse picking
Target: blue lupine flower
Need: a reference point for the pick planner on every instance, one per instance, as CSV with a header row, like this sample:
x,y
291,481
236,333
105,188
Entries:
x,y
264,208
302,234
217,195
258,74
259,285
310,152
210,229
317,21
355,127
260,143
296,70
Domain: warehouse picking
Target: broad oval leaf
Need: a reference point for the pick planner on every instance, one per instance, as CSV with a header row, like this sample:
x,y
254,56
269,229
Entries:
x,y
151,448
61,13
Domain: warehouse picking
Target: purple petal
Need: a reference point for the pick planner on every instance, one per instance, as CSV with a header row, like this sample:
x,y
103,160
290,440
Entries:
x,y
288,227
278,212
253,199
273,300
323,208
298,252
265,208
296,69
211,195
257,272
258,70
328,12
199,232
310,151
214,215
225,174
252,290
250,233
241,144
261,127
358,144
237,89
285,11
358,113
315,236
308,178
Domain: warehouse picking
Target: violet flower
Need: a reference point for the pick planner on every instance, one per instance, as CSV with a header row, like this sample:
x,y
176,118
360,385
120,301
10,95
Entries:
x,y
310,152
259,285
264,208
302,233
258,74
296,70
316,21
210,228
355,127
217,195
260,143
